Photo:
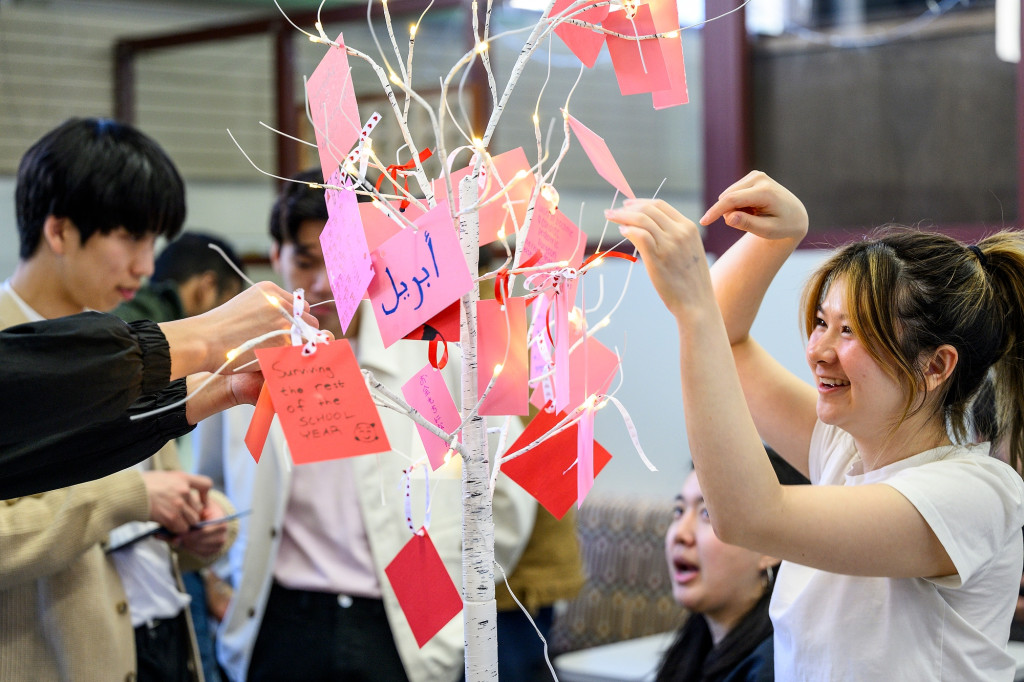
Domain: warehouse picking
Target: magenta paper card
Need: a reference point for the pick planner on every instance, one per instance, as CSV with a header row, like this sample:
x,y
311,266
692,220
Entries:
x,y
427,392
423,587
584,43
636,75
417,274
599,155
345,252
332,106
498,333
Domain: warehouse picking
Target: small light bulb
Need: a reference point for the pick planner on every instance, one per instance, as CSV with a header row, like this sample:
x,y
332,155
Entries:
x,y
448,456
412,30
672,34
536,119
481,47
521,174
314,39
233,353
497,369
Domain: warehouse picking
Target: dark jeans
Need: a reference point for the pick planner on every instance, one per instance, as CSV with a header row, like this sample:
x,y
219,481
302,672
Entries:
x,y
162,651
520,651
316,636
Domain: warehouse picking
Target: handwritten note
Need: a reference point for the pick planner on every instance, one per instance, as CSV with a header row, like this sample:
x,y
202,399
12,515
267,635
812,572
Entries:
x,y
333,108
636,75
548,471
427,392
417,274
322,402
497,216
345,252
555,237
501,331
584,42
599,154
423,587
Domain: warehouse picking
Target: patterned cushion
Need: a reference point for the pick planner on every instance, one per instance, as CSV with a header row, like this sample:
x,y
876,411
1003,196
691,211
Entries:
x,y
627,593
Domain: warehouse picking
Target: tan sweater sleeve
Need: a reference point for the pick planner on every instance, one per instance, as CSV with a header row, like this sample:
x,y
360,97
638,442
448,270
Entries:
x,y
42,534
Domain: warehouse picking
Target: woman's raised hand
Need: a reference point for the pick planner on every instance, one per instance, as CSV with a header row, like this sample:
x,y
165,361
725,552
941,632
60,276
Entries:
x,y
759,205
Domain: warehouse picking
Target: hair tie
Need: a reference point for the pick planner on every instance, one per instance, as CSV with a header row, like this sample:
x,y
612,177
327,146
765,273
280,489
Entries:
x,y
981,256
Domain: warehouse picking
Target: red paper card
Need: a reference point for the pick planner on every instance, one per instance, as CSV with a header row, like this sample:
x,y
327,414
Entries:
x,y
547,472
322,401
423,587
427,392
592,366
447,325
417,274
495,216
345,252
511,391
259,425
599,155
584,43
635,75
555,236
333,108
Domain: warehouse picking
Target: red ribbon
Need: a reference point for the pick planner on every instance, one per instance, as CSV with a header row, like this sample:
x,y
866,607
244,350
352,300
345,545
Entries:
x,y
403,168
608,254
434,361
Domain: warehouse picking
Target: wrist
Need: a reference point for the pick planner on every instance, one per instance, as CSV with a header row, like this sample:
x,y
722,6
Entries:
x,y
190,352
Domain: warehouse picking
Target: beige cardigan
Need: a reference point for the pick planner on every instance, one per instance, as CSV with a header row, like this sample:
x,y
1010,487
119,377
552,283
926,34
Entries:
x,y
63,611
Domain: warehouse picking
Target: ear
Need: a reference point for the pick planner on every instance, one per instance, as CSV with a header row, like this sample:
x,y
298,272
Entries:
x,y
940,366
57,232
275,257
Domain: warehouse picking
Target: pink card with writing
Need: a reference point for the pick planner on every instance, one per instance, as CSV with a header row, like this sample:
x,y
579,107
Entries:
x,y
345,252
584,42
547,472
666,19
259,425
333,108
636,75
322,402
599,155
423,587
427,392
592,367
496,216
501,330
555,236
417,274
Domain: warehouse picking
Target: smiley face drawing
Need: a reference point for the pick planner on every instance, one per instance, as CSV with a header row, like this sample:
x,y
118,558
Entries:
x,y
365,432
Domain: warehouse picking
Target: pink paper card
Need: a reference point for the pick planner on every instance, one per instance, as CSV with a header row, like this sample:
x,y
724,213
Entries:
x,y
259,425
666,19
555,236
584,43
592,367
345,253
427,392
564,300
599,155
333,108
446,325
547,471
510,393
417,274
635,75
378,227
322,401
584,456
424,589
496,216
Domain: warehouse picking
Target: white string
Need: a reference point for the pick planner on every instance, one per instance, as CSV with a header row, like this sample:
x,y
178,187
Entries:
x,y
547,658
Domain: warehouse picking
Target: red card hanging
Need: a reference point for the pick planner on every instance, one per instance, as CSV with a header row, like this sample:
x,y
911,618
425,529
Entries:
x,y
510,393
259,425
424,588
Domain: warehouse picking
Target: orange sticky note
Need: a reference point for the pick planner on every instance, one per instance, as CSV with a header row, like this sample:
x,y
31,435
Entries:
x,y
592,366
423,588
548,471
584,43
599,154
496,216
259,425
636,75
333,108
322,401
510,393
554,237
427,392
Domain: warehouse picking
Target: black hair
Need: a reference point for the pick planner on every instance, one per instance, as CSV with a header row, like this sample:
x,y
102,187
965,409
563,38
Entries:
x,y
190,255
297,203
101,175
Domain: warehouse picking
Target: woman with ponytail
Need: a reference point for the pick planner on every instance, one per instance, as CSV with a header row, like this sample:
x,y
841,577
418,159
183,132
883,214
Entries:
x,y
902,561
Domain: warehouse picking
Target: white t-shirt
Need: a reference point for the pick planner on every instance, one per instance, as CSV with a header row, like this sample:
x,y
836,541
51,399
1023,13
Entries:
x,y
839,627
